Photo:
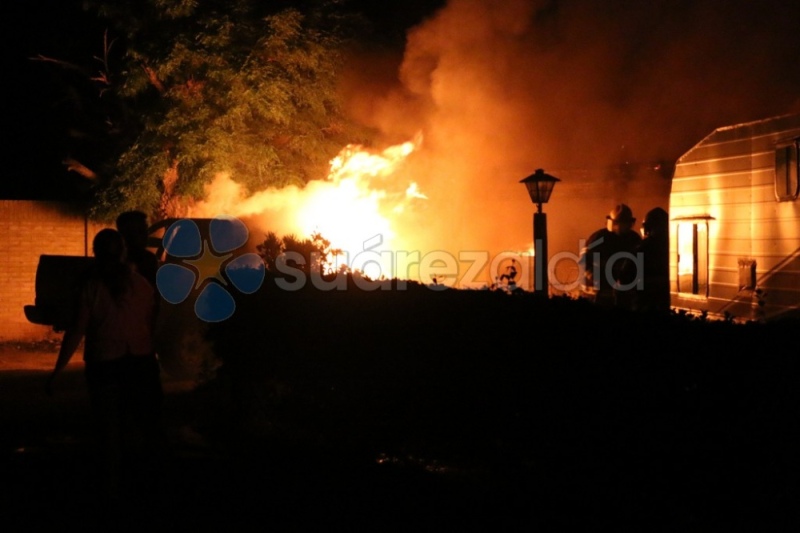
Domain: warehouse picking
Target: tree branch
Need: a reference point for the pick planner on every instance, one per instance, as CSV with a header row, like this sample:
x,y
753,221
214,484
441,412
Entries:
x,y
153,77
59,62
76,166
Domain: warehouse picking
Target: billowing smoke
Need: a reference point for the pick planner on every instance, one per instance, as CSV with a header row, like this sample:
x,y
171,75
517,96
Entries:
x,y
605,95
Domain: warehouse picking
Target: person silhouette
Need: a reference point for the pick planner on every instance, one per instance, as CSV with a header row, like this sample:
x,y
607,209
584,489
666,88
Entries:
x,y
116,318
133,227
602,257
650,273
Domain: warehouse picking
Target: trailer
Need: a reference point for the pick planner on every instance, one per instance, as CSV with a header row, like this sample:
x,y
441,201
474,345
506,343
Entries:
x,y
735,223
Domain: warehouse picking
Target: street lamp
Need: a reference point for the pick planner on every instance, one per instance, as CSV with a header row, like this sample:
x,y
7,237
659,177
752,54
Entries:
x,y
540,186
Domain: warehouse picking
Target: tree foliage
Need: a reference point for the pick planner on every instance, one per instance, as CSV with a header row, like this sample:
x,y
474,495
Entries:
x,y
190,89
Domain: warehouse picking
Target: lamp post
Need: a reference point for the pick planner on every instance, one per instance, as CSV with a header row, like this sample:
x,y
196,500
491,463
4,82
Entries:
x,y
540,186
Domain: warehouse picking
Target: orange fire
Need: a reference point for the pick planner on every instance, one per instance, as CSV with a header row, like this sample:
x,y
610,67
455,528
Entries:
x,y
359,206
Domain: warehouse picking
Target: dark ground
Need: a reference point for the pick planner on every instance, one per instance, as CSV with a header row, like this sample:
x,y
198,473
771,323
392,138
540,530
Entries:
x,y
347,424
289,483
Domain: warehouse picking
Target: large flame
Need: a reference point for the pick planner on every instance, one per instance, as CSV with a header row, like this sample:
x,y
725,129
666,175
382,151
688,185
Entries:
x,y
359,206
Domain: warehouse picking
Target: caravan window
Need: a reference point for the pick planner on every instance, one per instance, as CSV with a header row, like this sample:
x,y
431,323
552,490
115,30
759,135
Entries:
x,y
787,168
693,257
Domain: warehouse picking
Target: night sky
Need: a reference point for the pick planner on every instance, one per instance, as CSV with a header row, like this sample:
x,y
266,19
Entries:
x,y
34,100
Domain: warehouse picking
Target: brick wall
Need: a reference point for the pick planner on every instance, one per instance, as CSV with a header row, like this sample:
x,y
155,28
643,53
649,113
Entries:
x,y
29,229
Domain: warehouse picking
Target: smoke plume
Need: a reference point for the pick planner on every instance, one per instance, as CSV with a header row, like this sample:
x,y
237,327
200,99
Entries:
x,y
502,87
604,95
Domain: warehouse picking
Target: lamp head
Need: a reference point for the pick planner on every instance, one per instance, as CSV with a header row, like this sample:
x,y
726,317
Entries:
x,y
540,186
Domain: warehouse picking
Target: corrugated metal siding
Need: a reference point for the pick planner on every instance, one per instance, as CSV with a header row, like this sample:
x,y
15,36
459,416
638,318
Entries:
x,y
729,178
